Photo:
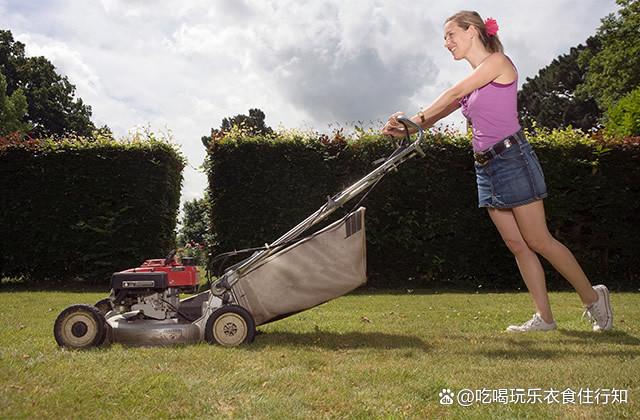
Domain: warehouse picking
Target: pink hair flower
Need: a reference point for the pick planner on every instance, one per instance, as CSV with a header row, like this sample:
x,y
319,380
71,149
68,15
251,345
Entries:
x,y
491,26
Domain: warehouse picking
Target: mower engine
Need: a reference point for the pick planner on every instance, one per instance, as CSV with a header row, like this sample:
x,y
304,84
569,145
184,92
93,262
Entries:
x,y
153,289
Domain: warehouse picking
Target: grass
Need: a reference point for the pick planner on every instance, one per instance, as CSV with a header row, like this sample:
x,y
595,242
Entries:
x,y
368,354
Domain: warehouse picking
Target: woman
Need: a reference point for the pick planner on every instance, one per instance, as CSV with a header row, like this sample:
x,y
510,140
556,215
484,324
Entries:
x,y
509,177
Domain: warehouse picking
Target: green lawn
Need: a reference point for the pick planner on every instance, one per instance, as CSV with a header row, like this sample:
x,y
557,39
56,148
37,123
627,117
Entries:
x,y
369,354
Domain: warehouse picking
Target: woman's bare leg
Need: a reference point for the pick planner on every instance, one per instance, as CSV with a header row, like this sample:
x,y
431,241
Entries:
x,y
532,225
527,260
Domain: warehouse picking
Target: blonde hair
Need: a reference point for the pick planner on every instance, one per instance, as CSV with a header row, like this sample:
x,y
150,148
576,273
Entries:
x,y
466,18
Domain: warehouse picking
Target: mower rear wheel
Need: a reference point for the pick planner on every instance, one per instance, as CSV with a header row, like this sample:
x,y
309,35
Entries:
x,y
80,327
104,306
229,326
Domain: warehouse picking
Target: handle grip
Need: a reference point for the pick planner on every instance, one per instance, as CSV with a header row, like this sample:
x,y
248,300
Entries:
x,y
406,122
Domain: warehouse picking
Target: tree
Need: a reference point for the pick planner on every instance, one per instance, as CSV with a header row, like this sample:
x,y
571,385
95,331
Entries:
x,y
52,109
613,68
12,110
623,118
550,98
104,132
253,123
578,88
194,222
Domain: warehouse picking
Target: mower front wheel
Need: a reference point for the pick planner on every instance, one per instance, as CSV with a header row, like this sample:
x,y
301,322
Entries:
x,y
229,326
80,327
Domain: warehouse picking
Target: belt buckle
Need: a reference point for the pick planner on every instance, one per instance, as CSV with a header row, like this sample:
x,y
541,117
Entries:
x,y
481,158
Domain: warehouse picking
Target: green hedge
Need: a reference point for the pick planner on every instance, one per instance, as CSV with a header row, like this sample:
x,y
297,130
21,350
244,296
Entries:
x,y
75,209
423,224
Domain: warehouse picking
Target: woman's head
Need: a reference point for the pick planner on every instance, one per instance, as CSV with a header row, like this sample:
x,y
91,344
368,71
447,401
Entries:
x,y
463,26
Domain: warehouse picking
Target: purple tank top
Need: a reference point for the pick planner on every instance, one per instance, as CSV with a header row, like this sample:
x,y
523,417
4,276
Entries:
x,y
493,112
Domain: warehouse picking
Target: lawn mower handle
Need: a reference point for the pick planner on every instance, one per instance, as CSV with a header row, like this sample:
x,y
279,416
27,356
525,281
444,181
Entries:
x,y
406,122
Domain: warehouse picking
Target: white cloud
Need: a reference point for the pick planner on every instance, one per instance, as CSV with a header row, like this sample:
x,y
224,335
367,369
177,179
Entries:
x,y
186,65
68,61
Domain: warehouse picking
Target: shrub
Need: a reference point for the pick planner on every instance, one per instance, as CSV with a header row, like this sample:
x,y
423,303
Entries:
x,y
423,224
78,209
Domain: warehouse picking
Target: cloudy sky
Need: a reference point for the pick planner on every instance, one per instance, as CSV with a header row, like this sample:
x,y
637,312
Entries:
x,y
309,64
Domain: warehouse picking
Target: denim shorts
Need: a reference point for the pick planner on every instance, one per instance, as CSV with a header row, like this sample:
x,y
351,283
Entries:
x,y
511,179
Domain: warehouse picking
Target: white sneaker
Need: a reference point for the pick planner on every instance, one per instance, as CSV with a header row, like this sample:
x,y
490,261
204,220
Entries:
x,y
534,324
599,312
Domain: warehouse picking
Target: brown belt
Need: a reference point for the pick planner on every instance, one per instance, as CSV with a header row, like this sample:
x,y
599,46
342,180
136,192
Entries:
x,y
485,156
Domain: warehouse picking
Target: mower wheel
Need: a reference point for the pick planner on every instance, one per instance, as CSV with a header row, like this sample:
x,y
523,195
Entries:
x,y
230,325
104,306
80,327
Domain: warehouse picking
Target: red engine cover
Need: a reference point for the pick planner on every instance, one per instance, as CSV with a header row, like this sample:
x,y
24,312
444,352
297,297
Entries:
x,y
179,275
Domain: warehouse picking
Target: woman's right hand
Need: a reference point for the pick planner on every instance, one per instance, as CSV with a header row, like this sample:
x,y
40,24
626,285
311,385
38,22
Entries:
x,y
393,128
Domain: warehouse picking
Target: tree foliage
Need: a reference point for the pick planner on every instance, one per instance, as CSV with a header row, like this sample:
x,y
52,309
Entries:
x,y
252,124
550,98
623,118
52,108
12,110
613,68
578,88
194,222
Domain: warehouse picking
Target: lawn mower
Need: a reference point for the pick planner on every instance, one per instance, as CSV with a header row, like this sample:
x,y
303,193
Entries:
x,y
290,275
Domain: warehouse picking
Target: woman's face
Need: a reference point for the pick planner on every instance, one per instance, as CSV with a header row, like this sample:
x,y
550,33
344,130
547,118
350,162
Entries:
x,y
457,40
